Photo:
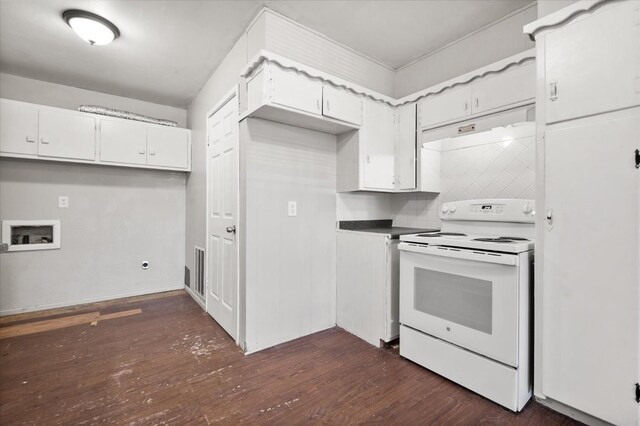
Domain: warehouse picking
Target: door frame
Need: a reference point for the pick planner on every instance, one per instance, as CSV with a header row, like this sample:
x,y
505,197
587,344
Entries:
x,y
228,97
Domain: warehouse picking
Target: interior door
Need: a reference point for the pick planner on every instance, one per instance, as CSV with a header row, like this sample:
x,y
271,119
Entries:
x,y
222,216
591,266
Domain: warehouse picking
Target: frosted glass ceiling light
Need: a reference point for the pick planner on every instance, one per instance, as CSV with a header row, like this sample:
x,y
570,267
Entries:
x,y
90,27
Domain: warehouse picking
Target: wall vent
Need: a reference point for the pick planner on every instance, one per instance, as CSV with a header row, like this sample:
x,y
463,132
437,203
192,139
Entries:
x,y
199,270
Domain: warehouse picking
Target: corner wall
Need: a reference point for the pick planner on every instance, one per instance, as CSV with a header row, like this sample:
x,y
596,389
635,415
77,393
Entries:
x,y
497,41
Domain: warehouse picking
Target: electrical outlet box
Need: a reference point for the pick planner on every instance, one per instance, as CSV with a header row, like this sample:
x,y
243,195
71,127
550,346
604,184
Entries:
x,y
292,208
63,202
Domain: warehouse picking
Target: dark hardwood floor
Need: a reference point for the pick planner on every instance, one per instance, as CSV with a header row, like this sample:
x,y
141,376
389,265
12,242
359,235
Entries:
x,y
172,364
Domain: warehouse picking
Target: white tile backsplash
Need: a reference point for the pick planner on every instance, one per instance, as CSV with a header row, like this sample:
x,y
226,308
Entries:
x,y
363,206
497,170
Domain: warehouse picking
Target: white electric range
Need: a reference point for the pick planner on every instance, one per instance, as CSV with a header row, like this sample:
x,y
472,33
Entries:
x,y
465,297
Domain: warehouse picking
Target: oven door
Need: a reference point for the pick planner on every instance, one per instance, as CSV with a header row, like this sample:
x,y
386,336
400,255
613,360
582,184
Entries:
x,y
465,297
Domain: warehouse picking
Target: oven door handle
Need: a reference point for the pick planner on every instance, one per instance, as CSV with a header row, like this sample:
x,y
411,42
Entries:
x,y
459,253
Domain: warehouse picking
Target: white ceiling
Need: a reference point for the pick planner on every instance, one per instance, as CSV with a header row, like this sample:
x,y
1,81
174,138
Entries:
x,y
168,49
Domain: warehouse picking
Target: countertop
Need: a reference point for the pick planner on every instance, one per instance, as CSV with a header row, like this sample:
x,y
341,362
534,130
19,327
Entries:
x,y
384,227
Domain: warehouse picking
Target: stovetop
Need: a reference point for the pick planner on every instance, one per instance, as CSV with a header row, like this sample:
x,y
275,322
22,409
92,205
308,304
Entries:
x,y
501,243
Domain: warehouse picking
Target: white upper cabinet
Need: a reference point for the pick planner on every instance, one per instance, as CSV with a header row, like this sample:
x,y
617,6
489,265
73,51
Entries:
x,y
513,87
123,142
341,105
612,75
18,128
168,147
500,91
451,105
405,147
377,136
66,134
294,90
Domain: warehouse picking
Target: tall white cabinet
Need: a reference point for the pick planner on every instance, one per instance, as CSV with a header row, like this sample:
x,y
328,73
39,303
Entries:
x,y
587,355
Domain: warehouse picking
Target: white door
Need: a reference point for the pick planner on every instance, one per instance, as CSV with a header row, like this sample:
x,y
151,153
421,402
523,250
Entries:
x,y
450,105
466,298
167,147
341,105
18,128
405,147
591,269
67,135
377,136
604,75
222,216
123,141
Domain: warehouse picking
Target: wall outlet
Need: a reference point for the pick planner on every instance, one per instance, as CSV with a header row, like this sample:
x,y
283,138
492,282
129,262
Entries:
x,y
292,208
63,202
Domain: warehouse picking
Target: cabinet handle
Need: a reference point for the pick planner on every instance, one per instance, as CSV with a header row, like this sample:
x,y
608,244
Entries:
x,y
31,139
466,106
328,106
152,153
44,140
141,151
553,91
368,159
318,104
477,102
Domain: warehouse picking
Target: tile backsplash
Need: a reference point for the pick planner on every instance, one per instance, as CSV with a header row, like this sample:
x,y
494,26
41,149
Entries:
x,y
496,170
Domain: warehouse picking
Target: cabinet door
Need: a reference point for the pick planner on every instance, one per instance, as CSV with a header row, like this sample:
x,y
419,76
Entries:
x,y
167,147
405,147
592,65
378,134
341,105
18,128
448,106
123,142
66,135
294,90
590,301
498,91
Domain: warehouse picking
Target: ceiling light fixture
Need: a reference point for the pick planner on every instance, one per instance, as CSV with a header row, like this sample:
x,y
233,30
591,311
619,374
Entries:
x,y
90,27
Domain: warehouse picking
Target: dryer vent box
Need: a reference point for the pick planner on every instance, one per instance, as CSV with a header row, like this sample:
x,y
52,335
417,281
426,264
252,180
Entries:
x,y
22,235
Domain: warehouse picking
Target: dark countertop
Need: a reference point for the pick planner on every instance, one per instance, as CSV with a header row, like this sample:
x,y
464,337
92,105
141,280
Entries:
x,y
379,227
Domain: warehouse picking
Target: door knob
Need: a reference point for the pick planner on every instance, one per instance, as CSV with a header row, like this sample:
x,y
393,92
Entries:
x,y
549,216
231,229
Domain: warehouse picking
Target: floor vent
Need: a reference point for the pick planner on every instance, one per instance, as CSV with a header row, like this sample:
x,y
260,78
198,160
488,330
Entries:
x,y
199,270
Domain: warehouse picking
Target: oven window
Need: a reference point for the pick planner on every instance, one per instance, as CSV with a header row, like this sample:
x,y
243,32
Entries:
x,y
462,300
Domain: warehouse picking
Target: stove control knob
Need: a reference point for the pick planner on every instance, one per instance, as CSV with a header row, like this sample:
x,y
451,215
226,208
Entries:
x,y
444,209
527,208
452,209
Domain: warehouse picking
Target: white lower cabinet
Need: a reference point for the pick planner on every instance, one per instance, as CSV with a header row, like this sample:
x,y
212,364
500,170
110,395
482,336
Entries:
x,y
18,128
123,142
67,134
367,286
167,147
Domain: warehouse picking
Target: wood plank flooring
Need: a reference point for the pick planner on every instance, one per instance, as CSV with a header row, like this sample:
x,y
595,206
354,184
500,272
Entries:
x,y
172,364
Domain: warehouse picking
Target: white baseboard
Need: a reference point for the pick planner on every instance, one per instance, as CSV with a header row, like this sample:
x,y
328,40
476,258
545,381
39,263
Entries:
x,y
199,299
34,308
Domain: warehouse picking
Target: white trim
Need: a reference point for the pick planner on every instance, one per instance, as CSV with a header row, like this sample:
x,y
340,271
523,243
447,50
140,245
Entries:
x,y
89,300
466,36
196,297
6,234
563,16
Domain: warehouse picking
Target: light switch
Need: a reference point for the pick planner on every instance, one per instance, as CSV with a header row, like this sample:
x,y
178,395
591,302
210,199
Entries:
x,y
63,202
293,208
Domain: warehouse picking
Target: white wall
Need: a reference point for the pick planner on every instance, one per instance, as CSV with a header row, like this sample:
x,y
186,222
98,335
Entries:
x,y
497,41
225,77
58,95
290,261
117,217
285,37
